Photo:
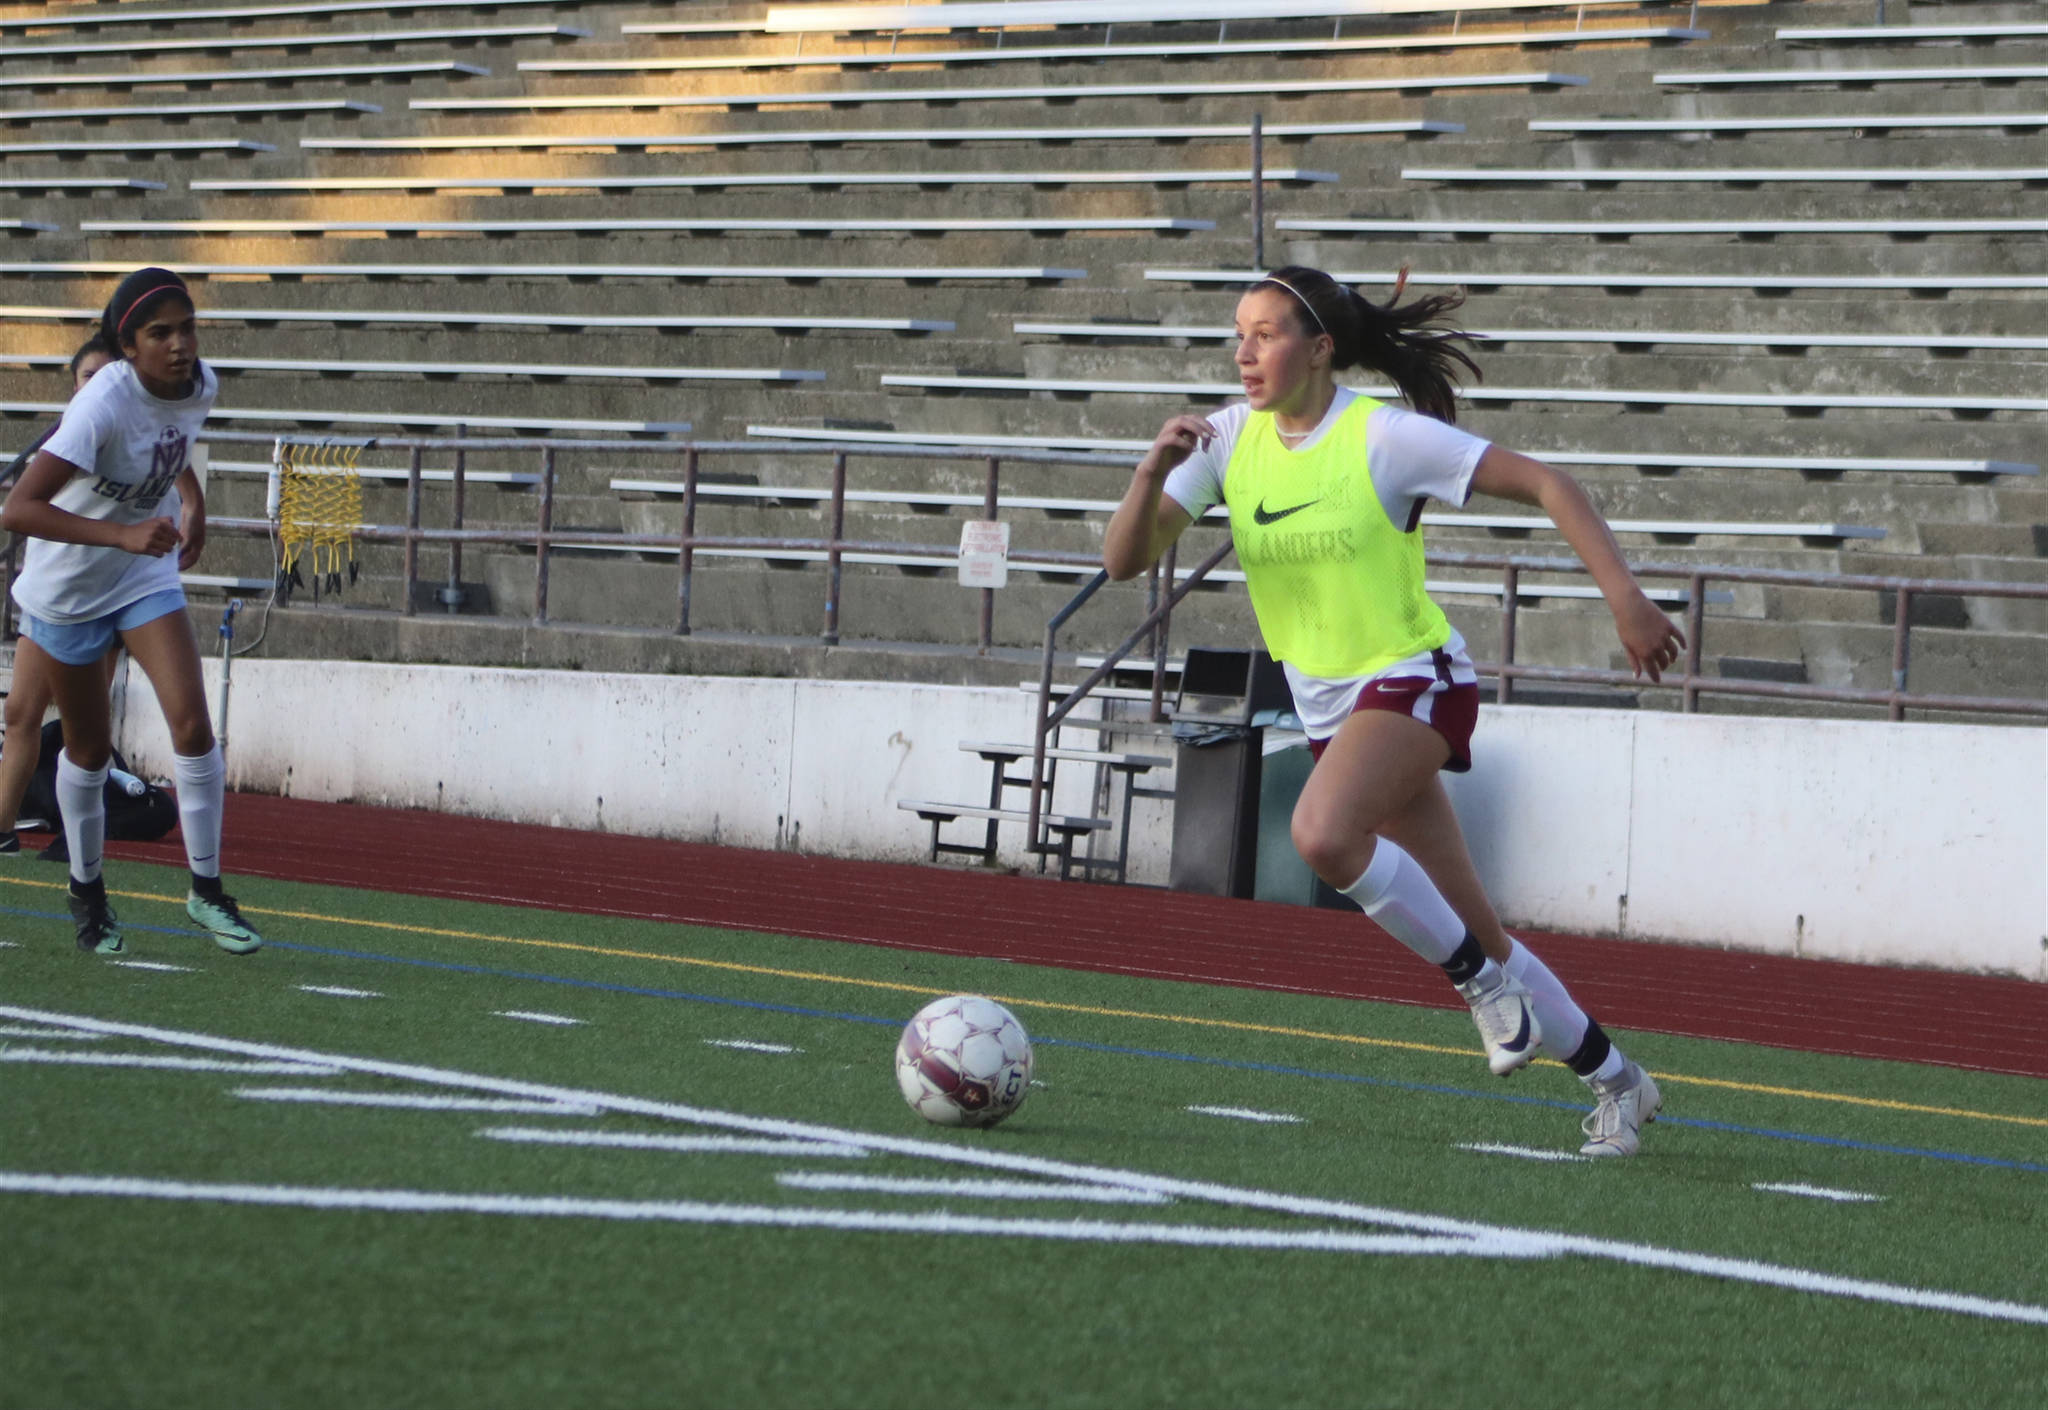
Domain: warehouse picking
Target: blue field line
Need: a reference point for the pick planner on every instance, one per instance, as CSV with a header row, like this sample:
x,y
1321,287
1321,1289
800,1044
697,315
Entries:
x,y
1157,1054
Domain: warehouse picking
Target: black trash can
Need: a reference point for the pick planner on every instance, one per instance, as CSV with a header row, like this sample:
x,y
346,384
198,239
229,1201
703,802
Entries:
x,y
1217,768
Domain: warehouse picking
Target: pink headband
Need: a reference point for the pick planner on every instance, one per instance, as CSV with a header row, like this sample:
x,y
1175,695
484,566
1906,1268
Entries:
x,y
1300,299
137,303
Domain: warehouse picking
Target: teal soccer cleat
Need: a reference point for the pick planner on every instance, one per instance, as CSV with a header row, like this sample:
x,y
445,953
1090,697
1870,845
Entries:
x,y
223,920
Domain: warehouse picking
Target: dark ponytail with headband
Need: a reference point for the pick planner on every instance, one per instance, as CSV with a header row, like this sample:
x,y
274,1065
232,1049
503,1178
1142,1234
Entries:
x,y
1404,342
135,299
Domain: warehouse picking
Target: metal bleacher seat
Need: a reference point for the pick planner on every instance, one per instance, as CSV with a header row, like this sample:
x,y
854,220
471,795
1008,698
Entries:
x,y
1630,229
1620,337
303,39
1944,73
540,371
546,423
1036,93
1518,525
274,110
604,224
799,274
107,16
1807,122
1052,14
1732,176
1616,279
1660,463
525,182
1814,403
140,148
1110,52
16,226
206,78
1911,34
464,318
54,184
834,137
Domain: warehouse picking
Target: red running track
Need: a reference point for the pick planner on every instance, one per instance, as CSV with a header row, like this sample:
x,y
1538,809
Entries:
x,y
1987,1024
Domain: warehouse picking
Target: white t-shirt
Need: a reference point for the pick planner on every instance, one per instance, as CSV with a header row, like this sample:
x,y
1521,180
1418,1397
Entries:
x,y
132,447
1411,458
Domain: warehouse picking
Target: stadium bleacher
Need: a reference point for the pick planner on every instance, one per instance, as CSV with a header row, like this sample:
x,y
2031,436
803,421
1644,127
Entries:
x,y
1844,334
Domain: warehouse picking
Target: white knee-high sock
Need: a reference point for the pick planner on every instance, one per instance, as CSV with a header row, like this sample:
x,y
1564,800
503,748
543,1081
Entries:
x,y
1396,892
202,782
81,793
1566,1026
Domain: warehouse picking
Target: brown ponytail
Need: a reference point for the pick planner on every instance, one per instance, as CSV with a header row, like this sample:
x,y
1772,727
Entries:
x,y
1404,342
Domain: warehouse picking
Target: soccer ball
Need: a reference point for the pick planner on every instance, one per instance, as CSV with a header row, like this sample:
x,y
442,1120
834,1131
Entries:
x,y
964,1061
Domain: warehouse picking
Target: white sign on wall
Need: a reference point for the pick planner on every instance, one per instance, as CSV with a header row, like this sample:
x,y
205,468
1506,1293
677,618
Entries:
x,y
984,553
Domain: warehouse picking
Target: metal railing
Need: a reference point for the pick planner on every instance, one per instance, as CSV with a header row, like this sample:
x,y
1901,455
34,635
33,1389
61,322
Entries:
x,y
1688,683
545,539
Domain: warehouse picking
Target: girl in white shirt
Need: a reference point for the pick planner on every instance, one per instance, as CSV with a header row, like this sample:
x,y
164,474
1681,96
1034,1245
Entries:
x,y
109,533
1325,489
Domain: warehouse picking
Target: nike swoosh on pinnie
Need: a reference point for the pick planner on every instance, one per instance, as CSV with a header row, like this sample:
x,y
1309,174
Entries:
x,y
1263,516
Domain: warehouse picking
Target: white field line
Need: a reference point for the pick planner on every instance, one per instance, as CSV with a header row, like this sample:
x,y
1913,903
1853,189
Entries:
x,y
967,1189
153,964
1241,1113
683,1212
554,1018
29,1030
1819,1192
1523,1152
158,1060
337,992
702,1145
748,1045
410,1101
1497,1237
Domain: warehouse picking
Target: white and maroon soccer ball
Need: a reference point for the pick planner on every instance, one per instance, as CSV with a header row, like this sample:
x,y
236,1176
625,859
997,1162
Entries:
x,y
964,1061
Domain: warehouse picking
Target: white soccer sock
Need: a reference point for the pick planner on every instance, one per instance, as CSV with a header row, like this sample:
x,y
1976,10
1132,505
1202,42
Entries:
x,y
202,782
82,797
1564,1023
1396,892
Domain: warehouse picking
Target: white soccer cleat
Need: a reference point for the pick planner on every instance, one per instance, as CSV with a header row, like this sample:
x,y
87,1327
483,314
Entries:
x,y
1507,1022
1626,1105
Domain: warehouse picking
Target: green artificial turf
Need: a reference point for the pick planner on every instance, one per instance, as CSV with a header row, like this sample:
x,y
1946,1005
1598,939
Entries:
x,y
108,1300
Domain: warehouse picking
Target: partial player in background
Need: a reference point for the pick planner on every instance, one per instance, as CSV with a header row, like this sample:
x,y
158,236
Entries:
x,y
103,566
1325,489
28,693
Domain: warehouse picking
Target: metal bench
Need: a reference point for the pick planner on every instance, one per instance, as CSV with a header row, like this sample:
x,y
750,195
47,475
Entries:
x,y
836,137
78,183
163,78
459,318
284,108
27,227
1064,828
392,474
797,274
366,39
716,181
1639,398
1732,176
1001,757
614,225
1036,93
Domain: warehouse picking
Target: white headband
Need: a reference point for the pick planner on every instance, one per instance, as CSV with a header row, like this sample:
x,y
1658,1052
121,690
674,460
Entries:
x,y
1300,299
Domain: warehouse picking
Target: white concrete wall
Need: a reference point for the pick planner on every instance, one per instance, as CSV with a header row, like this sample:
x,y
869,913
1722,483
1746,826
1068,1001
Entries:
x,y
1898,844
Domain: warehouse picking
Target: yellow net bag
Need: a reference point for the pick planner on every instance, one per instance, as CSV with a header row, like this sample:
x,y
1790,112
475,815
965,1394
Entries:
x,y
318,506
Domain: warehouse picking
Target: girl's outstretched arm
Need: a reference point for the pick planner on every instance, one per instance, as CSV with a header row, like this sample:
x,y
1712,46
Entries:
x,y
1650,638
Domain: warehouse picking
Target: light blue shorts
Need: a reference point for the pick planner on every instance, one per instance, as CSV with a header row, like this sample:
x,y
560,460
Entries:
x,y
82,643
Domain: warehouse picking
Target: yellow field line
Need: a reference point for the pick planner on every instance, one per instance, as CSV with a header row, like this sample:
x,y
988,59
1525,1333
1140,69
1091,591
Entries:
x,y
1052,1006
